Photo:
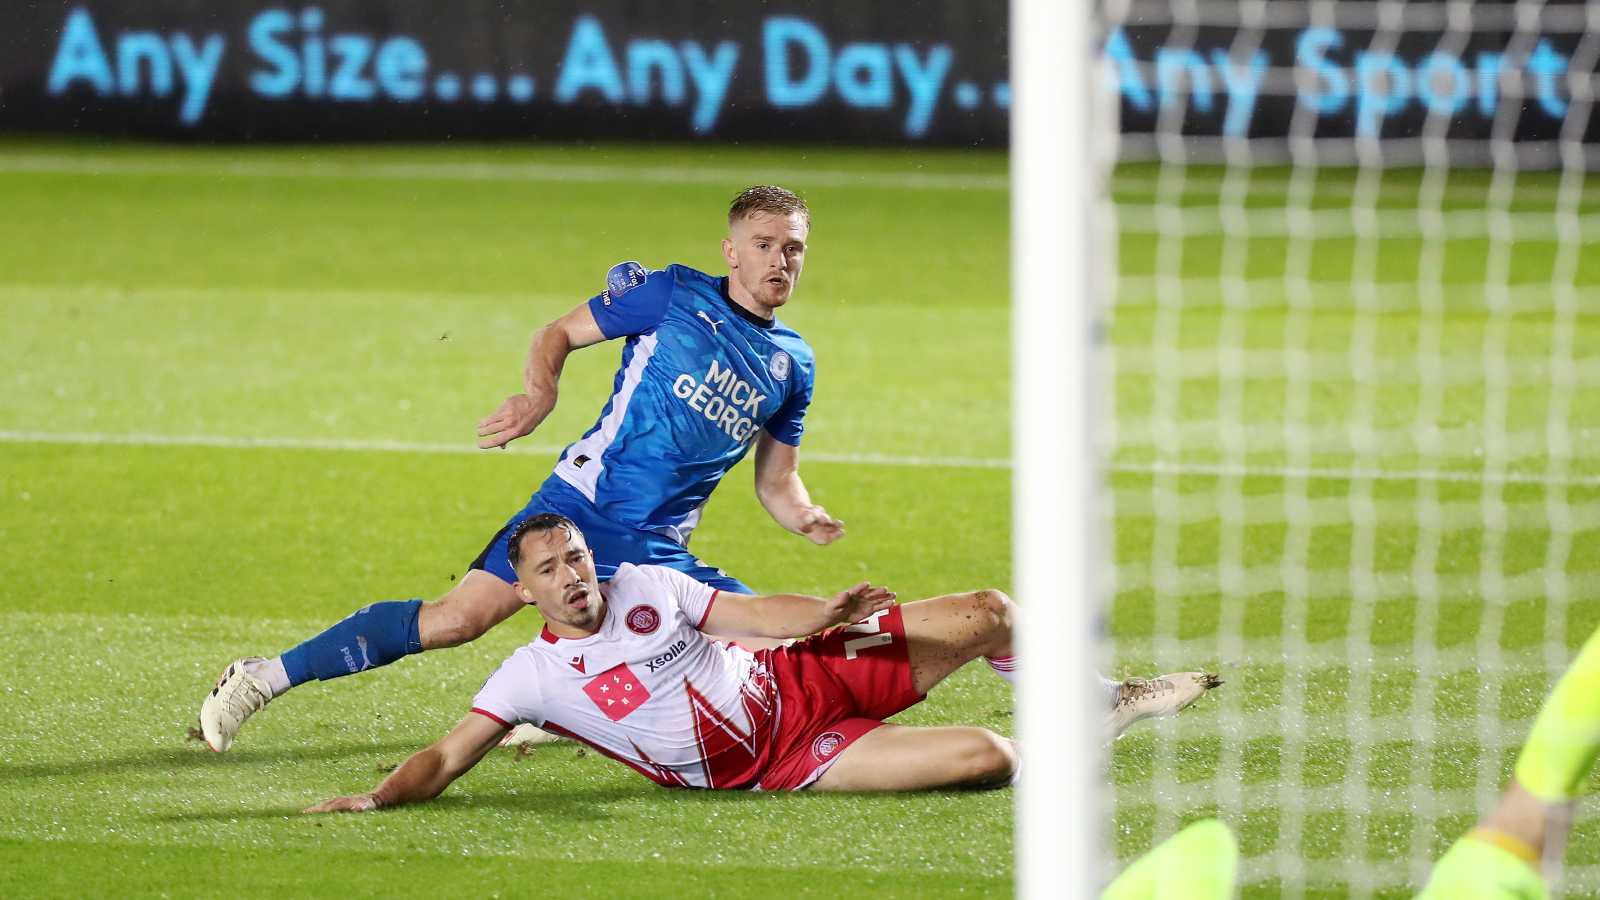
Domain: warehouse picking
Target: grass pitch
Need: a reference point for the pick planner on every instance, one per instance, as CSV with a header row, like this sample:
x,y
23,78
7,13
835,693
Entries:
x,y
296,297
1360,485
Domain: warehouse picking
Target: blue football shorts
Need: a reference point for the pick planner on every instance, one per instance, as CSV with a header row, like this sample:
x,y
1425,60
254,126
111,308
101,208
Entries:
x,y
613,544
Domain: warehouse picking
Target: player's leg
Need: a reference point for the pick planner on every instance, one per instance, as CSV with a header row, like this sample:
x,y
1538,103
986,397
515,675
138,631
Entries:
x,y
369,638
1197,863
1499,858
945,633
905,758
382,633
1135,699
481,601
940,635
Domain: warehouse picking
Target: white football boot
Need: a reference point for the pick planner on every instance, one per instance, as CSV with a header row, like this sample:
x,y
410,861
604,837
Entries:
x,y
237,696
1141,698
527,734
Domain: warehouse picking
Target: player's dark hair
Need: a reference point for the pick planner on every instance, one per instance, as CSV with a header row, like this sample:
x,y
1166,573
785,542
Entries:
x,y
766,198
532,524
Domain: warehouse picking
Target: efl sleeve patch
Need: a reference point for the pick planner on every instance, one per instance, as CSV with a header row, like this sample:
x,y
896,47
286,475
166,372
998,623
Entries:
x,y
624,277
634,301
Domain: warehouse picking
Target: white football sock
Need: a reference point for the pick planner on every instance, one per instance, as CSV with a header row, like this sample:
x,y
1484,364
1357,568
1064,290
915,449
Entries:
x,y
1004,666
271,671
1111,689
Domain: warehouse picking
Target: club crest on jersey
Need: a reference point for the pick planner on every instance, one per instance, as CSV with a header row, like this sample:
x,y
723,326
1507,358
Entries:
x,y
617,691
780,365
577,663
623,278
826,745
643,620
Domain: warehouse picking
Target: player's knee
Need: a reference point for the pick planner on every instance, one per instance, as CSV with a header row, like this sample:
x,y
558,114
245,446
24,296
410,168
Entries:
x,y
988,760
996,607
448,623
476,604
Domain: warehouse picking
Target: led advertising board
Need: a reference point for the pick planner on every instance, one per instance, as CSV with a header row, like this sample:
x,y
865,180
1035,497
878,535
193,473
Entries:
x,y
922,71
352,69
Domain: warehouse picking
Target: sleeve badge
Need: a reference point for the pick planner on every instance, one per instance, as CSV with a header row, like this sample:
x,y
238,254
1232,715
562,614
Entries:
x,y
623,278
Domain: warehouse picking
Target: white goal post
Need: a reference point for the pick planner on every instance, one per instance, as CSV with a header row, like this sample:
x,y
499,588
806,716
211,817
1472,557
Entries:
x,y
1348,289
1054,478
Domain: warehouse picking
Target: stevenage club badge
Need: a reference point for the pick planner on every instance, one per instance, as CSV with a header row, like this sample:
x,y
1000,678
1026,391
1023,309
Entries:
x,y
643,620
826,745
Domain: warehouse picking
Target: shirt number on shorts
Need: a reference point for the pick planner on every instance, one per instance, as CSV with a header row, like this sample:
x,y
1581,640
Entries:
x,y
874,638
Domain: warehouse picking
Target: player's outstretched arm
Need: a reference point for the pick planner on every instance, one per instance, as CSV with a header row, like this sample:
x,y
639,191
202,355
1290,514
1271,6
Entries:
x,y
784,495
521,413
792,615
428,772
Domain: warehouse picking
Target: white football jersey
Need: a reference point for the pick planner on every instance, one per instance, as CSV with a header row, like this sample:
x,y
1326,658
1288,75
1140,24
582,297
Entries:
x,y
648,688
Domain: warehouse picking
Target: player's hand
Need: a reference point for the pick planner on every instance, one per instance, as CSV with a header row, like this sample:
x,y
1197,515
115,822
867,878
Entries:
x,y
856,603
363,803
819,527
519,415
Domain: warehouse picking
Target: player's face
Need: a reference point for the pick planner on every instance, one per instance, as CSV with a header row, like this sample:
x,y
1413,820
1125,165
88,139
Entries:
x,y
764,254
557,576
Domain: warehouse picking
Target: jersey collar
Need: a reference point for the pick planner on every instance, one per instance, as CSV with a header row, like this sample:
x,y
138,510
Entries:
x,y
741,312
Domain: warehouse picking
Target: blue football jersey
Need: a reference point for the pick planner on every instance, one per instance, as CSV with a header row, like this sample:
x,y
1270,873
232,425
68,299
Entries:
x,y
700,378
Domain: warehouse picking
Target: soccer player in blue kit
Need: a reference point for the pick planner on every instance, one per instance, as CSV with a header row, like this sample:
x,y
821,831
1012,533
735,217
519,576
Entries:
x,y
707,371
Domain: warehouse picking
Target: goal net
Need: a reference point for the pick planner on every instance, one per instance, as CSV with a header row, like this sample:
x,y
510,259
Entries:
x,y
1352,417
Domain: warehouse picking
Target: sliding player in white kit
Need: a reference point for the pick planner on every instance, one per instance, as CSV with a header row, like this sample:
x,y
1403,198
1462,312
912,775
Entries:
x,y
627,669
707,373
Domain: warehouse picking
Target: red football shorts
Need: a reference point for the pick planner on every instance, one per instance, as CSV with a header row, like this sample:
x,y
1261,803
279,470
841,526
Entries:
x,y
833,688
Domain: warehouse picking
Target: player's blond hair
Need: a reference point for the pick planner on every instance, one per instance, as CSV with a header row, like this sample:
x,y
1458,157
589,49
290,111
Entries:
x,y
767,198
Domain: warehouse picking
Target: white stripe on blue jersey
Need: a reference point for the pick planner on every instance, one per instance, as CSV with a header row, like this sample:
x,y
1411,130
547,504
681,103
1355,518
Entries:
x,y
596,442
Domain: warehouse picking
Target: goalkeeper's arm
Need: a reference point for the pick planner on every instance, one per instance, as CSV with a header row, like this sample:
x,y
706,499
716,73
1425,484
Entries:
x,y
428,772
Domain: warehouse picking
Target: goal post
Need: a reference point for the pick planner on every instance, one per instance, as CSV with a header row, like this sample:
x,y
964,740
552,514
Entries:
x,y
1055,478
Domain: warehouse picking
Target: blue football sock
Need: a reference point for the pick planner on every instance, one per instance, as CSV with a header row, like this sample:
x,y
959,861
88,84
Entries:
x,y
372,636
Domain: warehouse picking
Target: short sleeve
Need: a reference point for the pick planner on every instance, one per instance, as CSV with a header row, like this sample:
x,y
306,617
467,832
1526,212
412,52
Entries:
x,y
692,597
634,301
788,423
510,696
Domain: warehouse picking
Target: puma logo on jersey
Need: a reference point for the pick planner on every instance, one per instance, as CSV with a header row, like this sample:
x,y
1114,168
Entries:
x,y
702,314
577,663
